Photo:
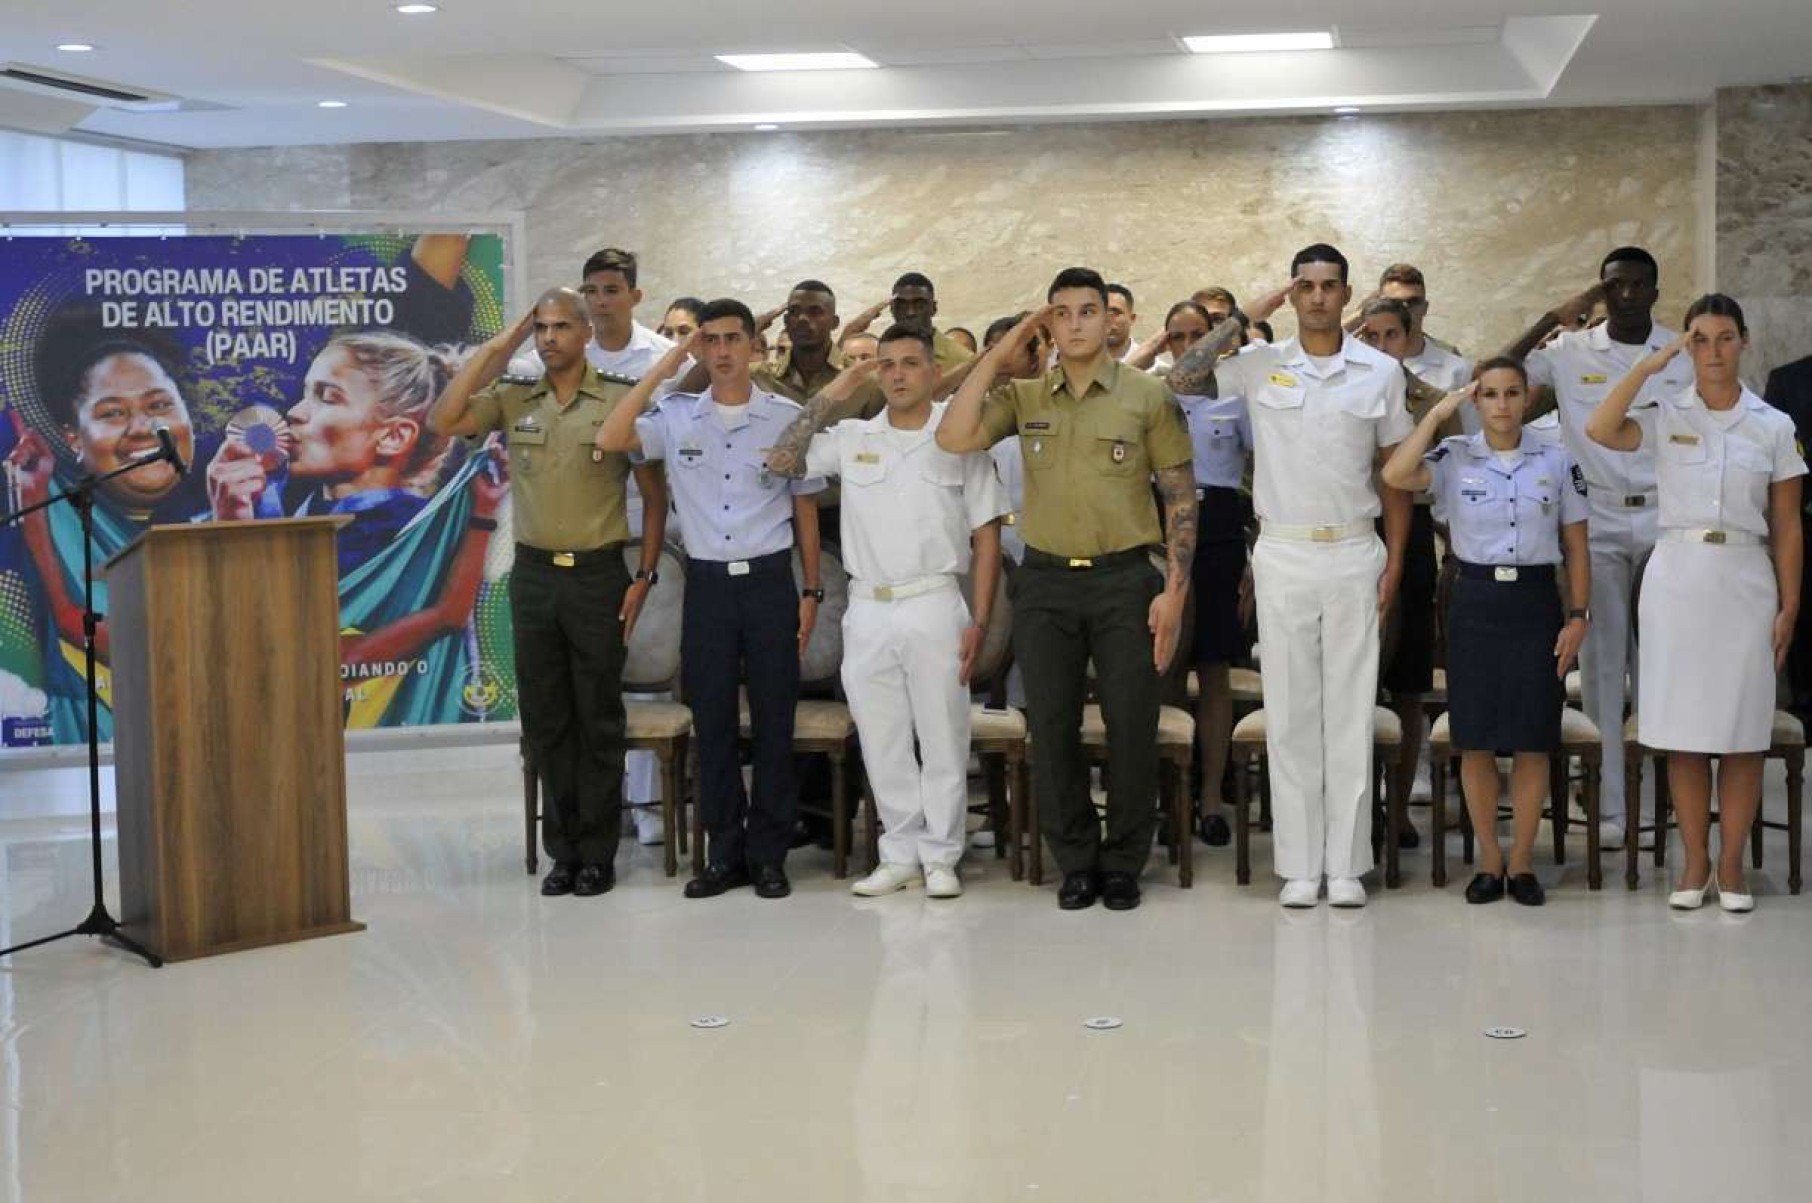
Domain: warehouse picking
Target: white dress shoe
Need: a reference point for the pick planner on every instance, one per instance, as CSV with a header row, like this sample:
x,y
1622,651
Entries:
x,y
1300,892
983,839
886,879
941,881
1689,900
1346,891
648,830
1734,902
1610,836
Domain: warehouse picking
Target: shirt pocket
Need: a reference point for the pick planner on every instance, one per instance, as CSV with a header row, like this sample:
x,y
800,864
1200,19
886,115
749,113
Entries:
x,y
944,471
528,451
584,449
1116,447
865,470
689,457
1747,459
1273,394
1688,450
1353,421
1038,444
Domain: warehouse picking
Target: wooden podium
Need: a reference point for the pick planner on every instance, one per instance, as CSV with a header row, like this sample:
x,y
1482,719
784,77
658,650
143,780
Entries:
x,y
229,748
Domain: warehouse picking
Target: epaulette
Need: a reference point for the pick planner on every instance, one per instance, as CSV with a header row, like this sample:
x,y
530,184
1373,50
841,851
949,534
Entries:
x,y
518,378
1439,453
616,378
1579,483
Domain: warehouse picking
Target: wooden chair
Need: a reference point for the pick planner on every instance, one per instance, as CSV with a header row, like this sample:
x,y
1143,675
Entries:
x,y
1176,754
1578,738
1248,754
663,728
1787,745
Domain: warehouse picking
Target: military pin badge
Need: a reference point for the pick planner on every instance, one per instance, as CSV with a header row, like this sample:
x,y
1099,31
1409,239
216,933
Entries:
x,y
265,433
1119,453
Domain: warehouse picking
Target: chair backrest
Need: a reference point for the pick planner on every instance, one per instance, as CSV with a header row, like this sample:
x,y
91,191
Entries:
x,y
824,651
653,660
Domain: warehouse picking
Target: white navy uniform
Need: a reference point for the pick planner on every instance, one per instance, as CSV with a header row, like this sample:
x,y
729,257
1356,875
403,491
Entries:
x,y
1582,367
1446,369
1504,513
1317,427
908,510
1709,595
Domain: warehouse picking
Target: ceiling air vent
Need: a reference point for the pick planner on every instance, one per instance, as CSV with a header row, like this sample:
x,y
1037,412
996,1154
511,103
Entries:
x,y
75,87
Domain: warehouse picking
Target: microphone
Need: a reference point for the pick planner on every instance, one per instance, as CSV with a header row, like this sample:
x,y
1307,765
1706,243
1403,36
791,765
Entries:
x,y
166,447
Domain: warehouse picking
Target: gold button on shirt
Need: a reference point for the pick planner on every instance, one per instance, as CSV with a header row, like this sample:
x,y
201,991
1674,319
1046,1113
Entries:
x,y
1089,459
565,494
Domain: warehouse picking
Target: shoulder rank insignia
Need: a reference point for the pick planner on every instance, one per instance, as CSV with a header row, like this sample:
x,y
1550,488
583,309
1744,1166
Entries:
x,y
518,378
1438,454
1579,485
617,378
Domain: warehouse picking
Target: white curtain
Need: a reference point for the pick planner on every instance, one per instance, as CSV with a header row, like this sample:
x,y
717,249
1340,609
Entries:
x,y
39,173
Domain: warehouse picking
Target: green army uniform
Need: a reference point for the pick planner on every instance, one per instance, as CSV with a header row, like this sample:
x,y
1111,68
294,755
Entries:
x,y
570,519
1084,593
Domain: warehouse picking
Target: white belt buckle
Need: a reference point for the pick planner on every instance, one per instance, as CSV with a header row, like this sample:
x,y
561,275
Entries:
x,y
1712,536
883,593
739,568
1324,534
1505,574
1635,501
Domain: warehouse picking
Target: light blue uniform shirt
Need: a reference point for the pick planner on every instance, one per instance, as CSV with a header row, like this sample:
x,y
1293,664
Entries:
x,y
1505,511
730,506
1221,433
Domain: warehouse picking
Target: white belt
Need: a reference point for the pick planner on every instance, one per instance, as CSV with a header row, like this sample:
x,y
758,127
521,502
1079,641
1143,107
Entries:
x,y
903,590
1605,495
1721,538
1334,532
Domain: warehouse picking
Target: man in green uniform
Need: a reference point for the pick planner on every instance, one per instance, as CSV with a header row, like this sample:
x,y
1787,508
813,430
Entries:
x,y
572,603
1092,433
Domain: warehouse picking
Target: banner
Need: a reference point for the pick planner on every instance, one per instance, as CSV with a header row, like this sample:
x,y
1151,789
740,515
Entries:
x,y
295,373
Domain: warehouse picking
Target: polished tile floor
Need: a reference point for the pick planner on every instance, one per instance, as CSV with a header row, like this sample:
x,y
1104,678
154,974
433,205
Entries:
x,y
482,1043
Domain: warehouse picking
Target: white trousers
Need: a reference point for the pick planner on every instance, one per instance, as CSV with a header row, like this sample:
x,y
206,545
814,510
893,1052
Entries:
x,y
1318,640
900,669
1619,539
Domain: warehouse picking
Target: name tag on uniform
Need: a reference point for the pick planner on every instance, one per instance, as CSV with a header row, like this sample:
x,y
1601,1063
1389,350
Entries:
x,y
1684,440
1038,425
867,457
1283,380
1593,378
691,452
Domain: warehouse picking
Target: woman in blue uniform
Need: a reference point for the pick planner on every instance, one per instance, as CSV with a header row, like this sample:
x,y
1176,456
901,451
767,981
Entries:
x,y
1514,506
1716,612
1222,436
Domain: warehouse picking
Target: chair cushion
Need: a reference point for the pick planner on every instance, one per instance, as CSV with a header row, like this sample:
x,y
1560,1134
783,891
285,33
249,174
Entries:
x,y
813,720
1247,685
1175,727
1386,727
658,720
1577,727
1437,692
1440,733
996,726
1574,689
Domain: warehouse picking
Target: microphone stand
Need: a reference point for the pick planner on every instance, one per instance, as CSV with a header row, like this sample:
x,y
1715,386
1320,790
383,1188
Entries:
x,y
99,922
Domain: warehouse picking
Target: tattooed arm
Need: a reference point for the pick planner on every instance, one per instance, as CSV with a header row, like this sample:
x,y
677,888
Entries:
x,y
1191,375
787,456
1176,488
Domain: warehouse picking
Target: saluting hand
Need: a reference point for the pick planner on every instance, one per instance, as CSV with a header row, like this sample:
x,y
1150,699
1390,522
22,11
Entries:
x,y
844,384
1573,310
1450,404
1566,648
862,321
1271,302
764,320
1656,361
1021,334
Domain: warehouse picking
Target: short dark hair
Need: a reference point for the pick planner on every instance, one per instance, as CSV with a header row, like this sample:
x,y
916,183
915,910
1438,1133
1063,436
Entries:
x,y
1391,306
723,307
1403,273
1503,363
903,331
1319,252
687,305
1190,306
1631,254
1717,304
611,259
849,336
815,286
1263,328
915,280
1001,326
74,343
1214,292
1124,291
1077,277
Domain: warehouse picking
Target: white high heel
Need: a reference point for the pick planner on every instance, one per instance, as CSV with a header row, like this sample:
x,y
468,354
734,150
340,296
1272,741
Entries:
x,y
1732,901
1691,900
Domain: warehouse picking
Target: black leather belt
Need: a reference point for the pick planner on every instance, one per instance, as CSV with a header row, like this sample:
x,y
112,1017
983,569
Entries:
x,y
1507,574
570,559
1113,559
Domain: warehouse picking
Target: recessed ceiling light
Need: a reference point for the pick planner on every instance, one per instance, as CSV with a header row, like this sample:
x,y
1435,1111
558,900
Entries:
x,y
330,104
767,127
417,10
840,60
74,47
1246,43
1348,110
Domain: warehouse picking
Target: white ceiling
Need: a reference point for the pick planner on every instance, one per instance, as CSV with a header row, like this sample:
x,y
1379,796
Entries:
x,y
251,72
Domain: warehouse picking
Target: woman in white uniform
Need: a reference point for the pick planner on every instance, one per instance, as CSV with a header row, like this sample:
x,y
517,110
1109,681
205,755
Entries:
x,y
1715,613
1514,506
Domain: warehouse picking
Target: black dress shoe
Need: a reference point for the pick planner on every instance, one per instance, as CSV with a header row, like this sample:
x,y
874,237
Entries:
x,y
1078,892
1485,887
1527,890
594,879
1215,832
771,882
1408,837
715,880
559,880
1120,891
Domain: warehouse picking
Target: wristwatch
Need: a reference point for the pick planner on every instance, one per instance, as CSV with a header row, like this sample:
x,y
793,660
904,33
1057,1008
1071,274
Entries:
x,y
1585,614
478,523
816,595
651,575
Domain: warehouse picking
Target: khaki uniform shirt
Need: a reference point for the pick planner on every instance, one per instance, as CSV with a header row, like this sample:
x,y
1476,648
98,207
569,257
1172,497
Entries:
x,y
1089,459
565,494
783,379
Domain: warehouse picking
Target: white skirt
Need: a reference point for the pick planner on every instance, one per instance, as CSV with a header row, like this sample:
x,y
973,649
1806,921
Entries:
x,y
1706,628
